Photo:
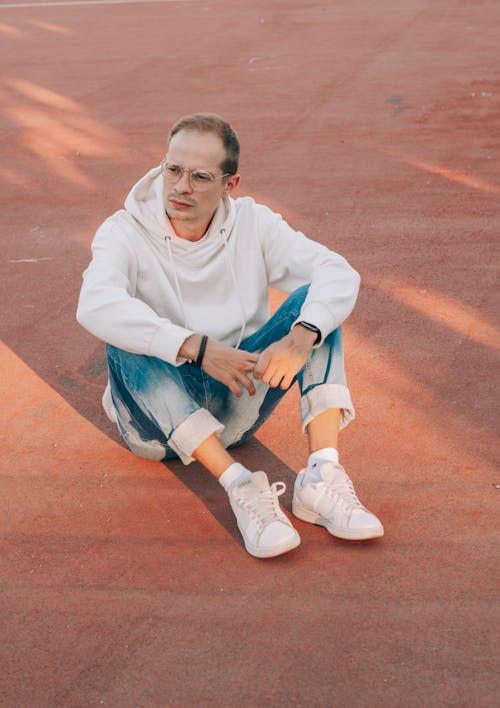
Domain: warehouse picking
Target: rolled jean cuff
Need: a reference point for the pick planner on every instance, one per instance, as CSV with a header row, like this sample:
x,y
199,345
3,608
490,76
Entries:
x,y
192,432
325,396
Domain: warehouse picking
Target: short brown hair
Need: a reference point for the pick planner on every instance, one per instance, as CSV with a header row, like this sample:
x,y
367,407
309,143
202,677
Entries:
x,y
212,123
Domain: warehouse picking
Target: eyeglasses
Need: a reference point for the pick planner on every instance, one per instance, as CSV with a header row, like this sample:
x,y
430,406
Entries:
x,y
200,180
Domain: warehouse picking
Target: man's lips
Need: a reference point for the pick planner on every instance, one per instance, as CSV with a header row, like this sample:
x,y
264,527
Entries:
x,y
178,204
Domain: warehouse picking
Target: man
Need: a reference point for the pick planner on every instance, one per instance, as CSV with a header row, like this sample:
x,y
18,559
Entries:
x,y
178,289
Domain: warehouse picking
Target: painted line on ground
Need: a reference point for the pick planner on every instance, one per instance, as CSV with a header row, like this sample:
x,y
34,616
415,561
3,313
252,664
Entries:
x,y
67,3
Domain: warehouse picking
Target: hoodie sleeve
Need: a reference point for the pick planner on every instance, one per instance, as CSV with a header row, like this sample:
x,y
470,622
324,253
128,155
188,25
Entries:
x,y
292,260
108,309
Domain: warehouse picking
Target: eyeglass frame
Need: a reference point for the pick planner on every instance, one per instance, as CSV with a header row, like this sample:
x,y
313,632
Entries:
x,y
212,178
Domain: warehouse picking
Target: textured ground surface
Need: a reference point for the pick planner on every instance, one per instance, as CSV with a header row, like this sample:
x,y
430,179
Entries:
x,y
374,127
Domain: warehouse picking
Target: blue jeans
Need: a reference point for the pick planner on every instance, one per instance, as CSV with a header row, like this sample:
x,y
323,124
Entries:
x,y
167,411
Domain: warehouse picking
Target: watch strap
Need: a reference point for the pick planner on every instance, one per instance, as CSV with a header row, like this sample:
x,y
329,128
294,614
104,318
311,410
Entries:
x,y
312,328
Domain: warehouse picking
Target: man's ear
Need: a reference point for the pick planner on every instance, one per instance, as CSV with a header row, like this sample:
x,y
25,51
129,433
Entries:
x,y
231,184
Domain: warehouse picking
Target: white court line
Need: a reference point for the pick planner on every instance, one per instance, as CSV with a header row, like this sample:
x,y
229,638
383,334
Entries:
x,y
66,3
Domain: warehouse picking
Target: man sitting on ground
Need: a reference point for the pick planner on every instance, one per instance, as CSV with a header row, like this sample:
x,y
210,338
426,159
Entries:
x,y
178,289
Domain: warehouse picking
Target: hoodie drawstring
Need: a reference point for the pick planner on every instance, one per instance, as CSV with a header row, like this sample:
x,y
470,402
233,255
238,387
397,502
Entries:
x,y
176,281
235,283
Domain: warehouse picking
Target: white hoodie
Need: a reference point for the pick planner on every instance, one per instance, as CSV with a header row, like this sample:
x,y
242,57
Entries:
x,y
146,290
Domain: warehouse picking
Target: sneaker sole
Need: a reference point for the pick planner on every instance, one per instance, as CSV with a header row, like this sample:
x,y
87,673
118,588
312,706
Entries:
x,y
347,534
274,551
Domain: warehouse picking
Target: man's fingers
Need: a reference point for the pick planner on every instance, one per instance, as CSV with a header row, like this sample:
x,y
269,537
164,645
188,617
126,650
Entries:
x,y
248,359
271,376
260,366
286,382
253,358
239,381
247,383
248,366
275,379
234,388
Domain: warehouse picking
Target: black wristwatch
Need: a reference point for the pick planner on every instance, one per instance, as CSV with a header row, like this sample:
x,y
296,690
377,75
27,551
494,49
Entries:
x,y
312,328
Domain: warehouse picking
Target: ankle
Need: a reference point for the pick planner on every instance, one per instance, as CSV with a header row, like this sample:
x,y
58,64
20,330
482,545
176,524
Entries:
x,y
317,459
233,476
325,454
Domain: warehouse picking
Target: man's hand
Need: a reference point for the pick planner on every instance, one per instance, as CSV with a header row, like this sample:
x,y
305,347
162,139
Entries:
x,y
282,360
228,365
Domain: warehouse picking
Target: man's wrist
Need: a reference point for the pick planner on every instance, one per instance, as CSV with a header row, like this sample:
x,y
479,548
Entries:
x,y
191,347
303,337
311,328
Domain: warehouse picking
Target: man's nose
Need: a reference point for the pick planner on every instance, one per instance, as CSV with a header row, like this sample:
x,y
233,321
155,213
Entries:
x,y
184,183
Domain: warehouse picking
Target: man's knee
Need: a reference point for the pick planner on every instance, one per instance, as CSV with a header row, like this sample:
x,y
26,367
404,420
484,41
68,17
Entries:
x,y
148,450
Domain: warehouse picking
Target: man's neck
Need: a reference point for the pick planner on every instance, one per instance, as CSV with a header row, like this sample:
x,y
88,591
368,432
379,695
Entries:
x,y
189,233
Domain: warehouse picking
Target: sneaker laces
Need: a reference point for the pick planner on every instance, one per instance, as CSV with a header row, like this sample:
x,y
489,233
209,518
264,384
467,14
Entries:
x,y
263,505
343,489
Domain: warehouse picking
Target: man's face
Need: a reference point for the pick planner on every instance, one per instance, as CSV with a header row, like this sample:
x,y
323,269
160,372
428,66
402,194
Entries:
x,y
190,210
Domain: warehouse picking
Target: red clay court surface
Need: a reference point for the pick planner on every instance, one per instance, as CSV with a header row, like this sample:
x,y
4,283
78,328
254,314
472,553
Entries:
x,y
374,127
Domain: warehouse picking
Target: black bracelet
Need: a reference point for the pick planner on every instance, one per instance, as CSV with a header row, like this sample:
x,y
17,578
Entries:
x,y
201,353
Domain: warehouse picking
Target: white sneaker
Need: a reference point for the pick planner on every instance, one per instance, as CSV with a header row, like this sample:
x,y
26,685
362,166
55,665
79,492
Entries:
x,y
265,529
332,502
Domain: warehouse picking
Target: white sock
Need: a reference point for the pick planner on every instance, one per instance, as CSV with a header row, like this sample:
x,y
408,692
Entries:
x,y
234,474
316,459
